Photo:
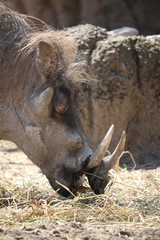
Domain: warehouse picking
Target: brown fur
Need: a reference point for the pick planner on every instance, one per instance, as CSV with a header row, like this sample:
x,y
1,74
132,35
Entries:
x,y
19,58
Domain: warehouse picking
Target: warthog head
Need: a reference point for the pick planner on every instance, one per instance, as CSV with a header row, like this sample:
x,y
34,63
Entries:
x,y
54,139
40,75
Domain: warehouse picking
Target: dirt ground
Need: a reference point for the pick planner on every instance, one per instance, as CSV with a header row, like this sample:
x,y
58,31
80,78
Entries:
x,y
17,169
78,231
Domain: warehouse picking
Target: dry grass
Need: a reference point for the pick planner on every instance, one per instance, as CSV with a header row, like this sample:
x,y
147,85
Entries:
x,y
26,198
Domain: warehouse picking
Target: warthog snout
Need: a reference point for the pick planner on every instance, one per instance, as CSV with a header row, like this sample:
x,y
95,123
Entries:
x,y
99,165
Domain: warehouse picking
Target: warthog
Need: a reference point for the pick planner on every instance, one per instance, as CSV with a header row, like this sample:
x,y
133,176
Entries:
x,y
38,109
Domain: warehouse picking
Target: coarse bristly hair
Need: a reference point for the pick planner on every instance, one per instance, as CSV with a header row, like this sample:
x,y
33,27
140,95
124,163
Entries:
x,y
20,50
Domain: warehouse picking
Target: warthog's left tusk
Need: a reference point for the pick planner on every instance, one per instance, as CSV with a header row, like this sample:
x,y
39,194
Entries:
x,y
111,161
98,155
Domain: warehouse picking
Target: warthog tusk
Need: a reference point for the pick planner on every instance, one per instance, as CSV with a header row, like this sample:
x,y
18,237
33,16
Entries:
x,y
110,161
98,155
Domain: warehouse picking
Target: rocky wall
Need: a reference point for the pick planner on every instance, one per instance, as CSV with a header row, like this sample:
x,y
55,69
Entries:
x,y
124,89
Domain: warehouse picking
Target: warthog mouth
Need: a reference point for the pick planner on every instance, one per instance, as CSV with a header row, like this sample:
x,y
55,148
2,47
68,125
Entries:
x,y
67,187
95,166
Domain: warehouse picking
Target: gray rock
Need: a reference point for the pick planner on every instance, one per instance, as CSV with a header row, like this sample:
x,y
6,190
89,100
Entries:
x,y
124,31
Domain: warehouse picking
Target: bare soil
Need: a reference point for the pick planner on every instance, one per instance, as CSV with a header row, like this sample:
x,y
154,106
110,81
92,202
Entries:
x,y
17,171
77,231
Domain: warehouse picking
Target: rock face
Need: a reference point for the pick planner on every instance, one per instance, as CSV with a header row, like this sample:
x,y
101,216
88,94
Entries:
x,y
125,89
111,14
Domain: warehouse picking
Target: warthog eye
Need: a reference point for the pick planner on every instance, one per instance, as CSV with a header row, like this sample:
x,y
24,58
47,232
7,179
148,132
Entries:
x,y
61,100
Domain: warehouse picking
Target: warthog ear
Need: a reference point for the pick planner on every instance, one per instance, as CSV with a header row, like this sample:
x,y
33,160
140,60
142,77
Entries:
x,y
42,102
47,58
